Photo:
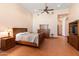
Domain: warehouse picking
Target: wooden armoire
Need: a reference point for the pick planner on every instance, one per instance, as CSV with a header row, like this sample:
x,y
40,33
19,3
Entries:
x,y
45,29
73,38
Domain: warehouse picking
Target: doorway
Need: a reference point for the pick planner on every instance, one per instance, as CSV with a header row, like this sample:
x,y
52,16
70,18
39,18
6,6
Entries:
x,y
62,24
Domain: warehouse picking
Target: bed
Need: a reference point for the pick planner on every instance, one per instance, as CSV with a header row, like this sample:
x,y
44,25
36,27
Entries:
x,y
22,32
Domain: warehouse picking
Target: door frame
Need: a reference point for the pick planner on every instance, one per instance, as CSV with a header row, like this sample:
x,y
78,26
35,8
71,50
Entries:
x,y
59,16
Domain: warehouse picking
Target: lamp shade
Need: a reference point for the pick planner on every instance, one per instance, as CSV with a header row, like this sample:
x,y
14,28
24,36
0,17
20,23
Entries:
x,y
3,34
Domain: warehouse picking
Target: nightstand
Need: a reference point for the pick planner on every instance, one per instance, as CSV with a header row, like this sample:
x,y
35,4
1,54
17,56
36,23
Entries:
x,y
7,43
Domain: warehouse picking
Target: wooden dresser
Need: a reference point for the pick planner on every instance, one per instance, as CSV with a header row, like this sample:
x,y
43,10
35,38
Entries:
x,y
73,38
74,41
45,31
7,43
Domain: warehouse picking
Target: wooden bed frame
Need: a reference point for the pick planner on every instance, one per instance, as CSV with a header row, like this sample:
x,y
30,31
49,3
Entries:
x,y
18,30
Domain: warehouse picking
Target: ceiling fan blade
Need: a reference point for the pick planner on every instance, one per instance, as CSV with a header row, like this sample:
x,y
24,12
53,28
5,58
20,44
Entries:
x,y
46,7
47,12
50,9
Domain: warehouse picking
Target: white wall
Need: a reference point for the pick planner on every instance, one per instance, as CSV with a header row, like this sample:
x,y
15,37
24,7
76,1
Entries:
x,y
48,19
64,27
12,15
73,14
45,19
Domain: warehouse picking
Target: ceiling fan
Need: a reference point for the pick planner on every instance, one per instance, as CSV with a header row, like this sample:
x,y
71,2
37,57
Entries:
x,y
46,9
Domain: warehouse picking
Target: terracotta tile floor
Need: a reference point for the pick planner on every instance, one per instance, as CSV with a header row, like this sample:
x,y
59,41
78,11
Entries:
x,y
50,47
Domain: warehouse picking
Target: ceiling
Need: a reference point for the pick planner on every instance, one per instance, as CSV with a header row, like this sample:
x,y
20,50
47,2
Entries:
x,y
35,6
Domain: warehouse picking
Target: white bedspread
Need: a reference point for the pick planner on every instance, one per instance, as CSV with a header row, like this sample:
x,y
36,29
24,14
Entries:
x,y
26,36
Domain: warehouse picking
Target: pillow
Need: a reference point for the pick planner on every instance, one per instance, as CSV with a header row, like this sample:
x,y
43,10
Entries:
x,y
22,33
25,32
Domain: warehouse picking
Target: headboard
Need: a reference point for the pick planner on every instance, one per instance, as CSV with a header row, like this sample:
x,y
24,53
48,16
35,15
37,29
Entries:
x,y
18,30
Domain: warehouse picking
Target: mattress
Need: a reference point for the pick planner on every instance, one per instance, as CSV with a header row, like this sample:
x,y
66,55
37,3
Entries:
x,y
26,36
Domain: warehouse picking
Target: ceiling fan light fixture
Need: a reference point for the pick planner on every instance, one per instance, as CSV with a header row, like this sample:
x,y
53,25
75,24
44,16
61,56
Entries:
x,y
59,5
52,12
